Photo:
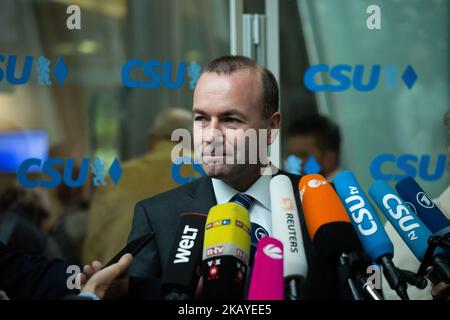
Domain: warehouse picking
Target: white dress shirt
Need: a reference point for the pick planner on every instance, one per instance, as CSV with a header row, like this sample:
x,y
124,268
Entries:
x,y
260,191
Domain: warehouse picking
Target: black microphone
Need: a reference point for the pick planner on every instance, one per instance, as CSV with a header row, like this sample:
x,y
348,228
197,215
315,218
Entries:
x,y
181,275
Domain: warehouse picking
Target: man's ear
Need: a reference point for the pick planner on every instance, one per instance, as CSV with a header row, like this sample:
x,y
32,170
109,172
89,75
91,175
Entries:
x,y
274,126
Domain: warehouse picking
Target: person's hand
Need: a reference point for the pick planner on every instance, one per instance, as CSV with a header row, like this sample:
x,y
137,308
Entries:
x,y
441,291
109,283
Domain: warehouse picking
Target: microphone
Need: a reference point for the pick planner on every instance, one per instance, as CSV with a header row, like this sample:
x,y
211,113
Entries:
x,y
267,276
226,251
286,227
369,229
410,228
180,277
423,206
332,233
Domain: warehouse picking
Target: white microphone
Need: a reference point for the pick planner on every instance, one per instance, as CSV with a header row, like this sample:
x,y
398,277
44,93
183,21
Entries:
x,y
286,228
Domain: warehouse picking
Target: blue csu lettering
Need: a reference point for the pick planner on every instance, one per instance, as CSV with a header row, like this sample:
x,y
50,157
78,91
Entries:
x,y
57,171
410,165
11,70
345,76
52,168
157,73
342,73
176,170
43,67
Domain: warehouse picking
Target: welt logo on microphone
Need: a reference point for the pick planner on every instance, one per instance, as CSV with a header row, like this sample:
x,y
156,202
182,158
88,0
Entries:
x,y
56,171
153,74
341,77
17,73
391,167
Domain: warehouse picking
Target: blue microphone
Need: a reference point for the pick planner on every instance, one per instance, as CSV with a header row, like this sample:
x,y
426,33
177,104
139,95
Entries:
x,y
369,229
423,206
410,228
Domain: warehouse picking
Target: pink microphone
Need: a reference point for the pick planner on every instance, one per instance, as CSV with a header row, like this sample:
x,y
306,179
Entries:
x,y
267,277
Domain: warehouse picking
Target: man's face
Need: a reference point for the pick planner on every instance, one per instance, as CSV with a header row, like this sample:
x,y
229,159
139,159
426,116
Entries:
x,y
223,106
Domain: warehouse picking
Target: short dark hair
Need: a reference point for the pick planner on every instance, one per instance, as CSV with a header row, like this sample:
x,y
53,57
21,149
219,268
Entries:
x,y
230,64
325,131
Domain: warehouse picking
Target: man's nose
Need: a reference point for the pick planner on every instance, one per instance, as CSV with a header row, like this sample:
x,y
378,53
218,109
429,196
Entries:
x,y
212,132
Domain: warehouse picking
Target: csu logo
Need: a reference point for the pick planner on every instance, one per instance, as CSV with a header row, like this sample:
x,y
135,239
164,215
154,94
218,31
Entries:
x,y
383,166
58,171
344,76
176,170
16,75
153,74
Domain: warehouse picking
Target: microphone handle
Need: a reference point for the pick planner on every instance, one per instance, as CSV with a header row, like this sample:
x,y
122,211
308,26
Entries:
x,y
442,268
346,273
393,277
372,292
292,285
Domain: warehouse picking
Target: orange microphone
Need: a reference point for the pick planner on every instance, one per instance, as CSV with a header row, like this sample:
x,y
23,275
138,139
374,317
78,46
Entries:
x,y
332,233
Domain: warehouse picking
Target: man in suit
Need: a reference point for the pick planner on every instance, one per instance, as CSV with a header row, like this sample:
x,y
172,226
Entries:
x,y
232,95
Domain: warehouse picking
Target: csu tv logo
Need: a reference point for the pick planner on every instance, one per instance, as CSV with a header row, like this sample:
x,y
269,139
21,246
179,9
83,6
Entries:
x,y
154,73
43,68
358,77
386,166
57,171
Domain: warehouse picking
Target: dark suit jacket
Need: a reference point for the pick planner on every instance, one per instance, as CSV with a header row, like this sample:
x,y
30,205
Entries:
x,y
28,277
161,215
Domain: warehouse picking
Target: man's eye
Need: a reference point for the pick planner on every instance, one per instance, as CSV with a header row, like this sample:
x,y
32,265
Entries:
x,y
199,118
232,120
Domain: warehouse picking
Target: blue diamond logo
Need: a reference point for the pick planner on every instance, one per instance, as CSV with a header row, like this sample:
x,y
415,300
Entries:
x,y
312,166
115,171
60,71
409,76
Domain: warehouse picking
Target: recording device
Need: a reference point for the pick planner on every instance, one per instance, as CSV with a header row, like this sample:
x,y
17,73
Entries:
x,y
226,251
286,228
181,275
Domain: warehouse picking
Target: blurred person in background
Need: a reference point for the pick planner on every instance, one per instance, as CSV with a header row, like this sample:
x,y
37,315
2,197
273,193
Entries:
x,y
317,136
111,211
405,259
22,214
70,229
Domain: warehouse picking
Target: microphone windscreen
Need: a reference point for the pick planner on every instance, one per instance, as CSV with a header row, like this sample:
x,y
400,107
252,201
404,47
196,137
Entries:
x,y
185,256
365,221
423,206
410,228
267,281
286,226
326,219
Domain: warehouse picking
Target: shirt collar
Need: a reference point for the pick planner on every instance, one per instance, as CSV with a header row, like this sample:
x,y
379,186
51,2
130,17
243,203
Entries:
x,y
260,190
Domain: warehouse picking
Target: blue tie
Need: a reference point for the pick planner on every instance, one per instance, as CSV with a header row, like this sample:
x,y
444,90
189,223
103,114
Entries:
x,y
244,200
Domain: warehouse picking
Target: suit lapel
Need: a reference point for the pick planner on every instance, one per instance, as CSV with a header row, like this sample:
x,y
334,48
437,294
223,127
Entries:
x,y
202,195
